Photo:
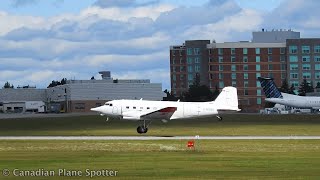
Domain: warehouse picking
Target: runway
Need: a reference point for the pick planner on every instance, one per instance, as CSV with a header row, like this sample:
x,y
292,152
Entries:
x,y
157,137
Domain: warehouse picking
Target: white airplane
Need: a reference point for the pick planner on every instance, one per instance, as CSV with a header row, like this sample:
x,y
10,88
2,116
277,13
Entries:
x,y
146,111
275,96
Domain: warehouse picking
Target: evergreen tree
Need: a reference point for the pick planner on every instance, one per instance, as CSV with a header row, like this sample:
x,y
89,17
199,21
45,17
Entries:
x,y
291,90
318,85
304,88
284,87
7,85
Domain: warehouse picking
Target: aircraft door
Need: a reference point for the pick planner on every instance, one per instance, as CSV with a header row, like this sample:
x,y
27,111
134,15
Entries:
x,y
114,110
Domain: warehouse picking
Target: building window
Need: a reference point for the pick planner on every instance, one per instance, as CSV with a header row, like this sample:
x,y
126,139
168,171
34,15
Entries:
x,y
305,58
220,59
197,60
282,50
245,50
306,66
189,60
233,50
80,106
245,76
246,93
197,68
190,69
270,75
293,58
233,67
211,68
174,77
245,84
270,67
258,84
293,49
234,84
181,77
196,51
283,67
316,58
180,52
293,75
220,51
181,61
257,50
210,51
245,58
220,67
190,77
317,74
257,58
189,51
305,49
294,67
245,67
173,53
210,59
258,101
317,67
306,75
233,59
282,58
317,49
258,75
210,77
269,58
283,75
220,76
258,92
269,50
221,84
294,83
182,68
233,76
257,67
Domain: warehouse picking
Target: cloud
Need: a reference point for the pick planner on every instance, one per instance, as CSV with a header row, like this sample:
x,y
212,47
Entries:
x,y
21,3
122,3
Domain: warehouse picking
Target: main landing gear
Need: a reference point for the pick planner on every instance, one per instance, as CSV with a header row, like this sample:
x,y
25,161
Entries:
x,y
219,118
143,128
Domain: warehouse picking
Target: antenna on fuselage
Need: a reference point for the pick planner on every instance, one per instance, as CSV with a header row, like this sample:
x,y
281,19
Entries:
x,y
141,99
178,100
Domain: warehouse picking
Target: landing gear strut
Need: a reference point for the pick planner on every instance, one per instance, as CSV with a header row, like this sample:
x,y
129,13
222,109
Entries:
x,y
219,118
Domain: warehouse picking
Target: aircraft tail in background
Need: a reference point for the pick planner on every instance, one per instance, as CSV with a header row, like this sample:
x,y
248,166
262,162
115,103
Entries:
x,y
269,87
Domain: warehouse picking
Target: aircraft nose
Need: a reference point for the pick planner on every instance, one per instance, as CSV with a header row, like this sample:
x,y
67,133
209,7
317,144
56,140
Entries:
x,y
97,109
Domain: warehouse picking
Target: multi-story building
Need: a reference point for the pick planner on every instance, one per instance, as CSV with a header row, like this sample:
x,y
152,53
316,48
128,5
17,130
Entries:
x,y
186,62
280,54
239,64
303,61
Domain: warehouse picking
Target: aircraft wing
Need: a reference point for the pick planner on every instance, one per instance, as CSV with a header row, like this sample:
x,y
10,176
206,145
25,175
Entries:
x,y
164,113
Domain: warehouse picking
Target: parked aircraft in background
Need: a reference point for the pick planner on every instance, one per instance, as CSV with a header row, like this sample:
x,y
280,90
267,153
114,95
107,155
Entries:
x,y
275,96
147,111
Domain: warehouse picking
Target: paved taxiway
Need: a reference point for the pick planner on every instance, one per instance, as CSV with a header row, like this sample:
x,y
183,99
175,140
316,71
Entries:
x,y
154,137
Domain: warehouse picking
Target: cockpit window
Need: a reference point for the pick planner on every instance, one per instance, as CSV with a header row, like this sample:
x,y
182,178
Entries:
x,y
106,104
110,104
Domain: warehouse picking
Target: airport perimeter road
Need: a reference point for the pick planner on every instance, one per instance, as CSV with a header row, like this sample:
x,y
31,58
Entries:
x,y
154,137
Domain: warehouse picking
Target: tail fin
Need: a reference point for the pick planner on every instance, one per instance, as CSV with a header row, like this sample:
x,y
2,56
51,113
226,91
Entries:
x,y
228,99
269,87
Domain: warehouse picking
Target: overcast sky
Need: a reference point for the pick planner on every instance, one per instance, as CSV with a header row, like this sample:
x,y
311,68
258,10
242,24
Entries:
x,y
41,41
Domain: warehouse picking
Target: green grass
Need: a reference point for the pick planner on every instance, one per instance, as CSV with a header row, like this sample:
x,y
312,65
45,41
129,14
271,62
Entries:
x,y
234,124
219,159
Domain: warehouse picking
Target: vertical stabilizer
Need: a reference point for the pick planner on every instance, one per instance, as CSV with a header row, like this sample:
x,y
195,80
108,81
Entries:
x,y
227,99
269,87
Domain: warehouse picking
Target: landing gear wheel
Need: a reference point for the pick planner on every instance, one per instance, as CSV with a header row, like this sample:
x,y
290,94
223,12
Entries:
x,y
219,118
141,129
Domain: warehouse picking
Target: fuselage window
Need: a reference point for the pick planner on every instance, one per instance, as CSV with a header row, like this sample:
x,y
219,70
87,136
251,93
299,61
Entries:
x,y
141,107
148,107
127,107
110,104
134,107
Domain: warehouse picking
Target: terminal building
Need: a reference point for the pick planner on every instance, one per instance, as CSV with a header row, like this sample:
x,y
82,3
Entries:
x,y
81,95
280,54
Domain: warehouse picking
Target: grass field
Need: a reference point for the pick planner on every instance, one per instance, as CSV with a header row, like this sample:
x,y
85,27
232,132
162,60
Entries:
x,y
170,159
232,124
